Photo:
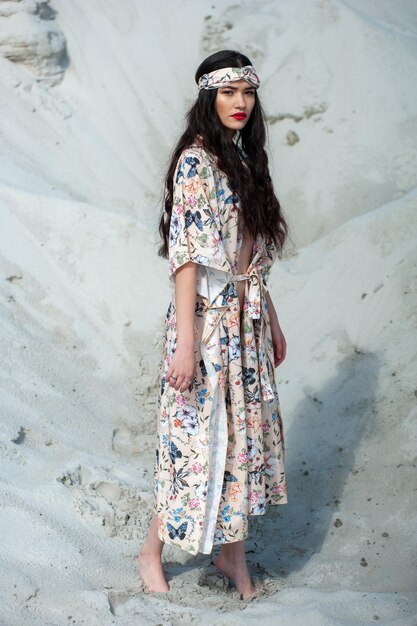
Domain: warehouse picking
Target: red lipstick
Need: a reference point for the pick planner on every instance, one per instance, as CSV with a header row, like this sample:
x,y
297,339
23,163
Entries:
x,y
239,116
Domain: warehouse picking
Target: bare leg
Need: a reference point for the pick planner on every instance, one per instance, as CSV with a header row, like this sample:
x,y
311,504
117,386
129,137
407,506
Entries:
x,y
232,562
149,560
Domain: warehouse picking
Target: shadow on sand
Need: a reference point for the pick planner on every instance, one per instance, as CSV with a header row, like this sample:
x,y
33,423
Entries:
x,y
320,446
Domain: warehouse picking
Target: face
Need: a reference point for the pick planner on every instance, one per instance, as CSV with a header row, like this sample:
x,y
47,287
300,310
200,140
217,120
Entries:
x,y
236,97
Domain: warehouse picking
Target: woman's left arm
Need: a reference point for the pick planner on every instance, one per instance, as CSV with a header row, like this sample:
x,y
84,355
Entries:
x,y
278,339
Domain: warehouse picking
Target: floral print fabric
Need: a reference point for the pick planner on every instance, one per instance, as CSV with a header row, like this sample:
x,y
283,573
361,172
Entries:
x,y
220,443
225,75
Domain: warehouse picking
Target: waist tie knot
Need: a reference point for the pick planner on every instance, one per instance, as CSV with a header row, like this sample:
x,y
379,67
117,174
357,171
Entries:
x,y
254,297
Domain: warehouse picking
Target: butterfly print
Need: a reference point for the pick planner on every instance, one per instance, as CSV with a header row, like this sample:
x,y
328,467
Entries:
x,y
248,376
193,161
179,532
174,452
191,217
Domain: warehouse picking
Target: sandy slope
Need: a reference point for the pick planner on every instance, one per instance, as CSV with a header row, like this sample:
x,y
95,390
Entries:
x,y
81,316
76,448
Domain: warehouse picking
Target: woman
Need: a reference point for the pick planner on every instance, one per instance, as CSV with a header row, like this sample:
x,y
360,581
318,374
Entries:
x,y
220,449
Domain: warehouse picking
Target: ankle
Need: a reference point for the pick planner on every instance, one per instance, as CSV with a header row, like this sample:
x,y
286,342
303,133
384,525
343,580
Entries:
x,y
150,552
230,557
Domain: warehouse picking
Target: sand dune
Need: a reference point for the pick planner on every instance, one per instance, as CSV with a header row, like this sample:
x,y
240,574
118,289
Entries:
x,y
82,163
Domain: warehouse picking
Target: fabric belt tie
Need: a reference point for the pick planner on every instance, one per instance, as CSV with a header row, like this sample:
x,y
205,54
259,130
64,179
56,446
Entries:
x,y
254,295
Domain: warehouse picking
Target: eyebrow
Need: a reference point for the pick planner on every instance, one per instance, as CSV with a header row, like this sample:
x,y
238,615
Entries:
x,y
235,88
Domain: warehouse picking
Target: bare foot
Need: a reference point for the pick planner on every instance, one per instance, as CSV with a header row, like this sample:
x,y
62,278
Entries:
x,y
151,572
239,575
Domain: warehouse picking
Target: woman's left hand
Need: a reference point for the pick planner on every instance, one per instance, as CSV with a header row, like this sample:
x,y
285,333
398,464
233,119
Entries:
x,y
280,345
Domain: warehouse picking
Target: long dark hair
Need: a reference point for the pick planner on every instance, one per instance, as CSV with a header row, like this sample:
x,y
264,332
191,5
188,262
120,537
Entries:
x,y
261,210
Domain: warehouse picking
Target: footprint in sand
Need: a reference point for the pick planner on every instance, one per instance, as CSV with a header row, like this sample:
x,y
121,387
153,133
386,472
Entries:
x,y
100,498
129,442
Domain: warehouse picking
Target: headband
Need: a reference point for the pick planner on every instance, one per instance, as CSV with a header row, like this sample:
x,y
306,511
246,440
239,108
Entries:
x,y
218,78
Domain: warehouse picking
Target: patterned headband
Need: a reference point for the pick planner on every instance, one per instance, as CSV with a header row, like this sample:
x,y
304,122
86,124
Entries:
x,y
218,78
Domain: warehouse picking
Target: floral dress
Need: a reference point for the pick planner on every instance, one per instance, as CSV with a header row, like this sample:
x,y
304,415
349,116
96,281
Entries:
x,y
220,443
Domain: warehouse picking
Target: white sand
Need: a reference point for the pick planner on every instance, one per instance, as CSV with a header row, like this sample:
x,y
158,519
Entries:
x,y
83,293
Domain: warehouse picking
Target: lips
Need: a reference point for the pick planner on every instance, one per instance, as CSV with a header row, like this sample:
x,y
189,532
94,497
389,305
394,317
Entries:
x,y
239,116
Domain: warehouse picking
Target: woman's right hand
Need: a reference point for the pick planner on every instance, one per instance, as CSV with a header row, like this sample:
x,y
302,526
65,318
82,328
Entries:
x,y
182,368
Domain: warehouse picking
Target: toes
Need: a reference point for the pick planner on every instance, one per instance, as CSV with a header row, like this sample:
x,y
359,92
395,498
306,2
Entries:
x,y
249,598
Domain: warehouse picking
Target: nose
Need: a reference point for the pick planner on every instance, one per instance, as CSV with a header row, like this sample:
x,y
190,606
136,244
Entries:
x,y
240,102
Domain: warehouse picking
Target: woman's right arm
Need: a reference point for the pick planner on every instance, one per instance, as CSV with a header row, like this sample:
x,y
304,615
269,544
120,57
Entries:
x,y
194,241
182,365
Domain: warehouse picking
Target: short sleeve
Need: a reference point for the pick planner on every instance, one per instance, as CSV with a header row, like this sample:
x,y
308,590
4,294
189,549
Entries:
x,y
195,230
